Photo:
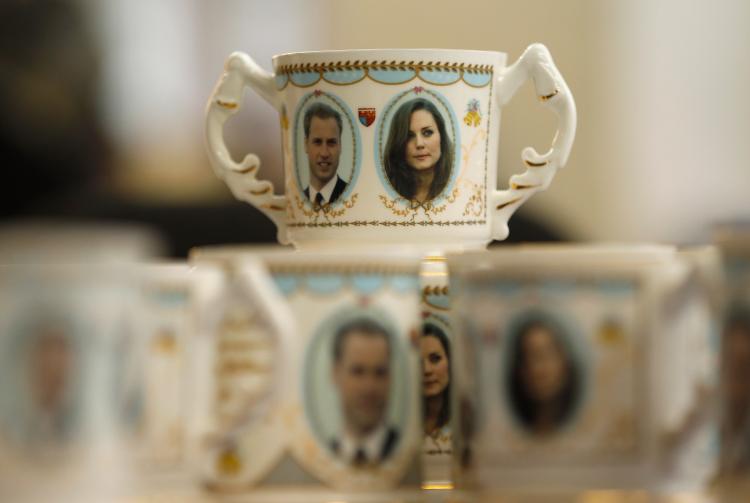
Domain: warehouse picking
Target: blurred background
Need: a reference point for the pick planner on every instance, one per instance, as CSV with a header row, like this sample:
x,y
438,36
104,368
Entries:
x,y
102,108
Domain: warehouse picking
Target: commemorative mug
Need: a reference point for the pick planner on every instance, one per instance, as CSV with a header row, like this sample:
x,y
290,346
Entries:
x,y
67,393
585,367
390,146
331,391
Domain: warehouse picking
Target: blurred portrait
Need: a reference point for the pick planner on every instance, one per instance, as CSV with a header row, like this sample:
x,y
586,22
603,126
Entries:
x,y
362,377
419,152
50,365
41,388
357,387
544,378
325,161
436,390
735,381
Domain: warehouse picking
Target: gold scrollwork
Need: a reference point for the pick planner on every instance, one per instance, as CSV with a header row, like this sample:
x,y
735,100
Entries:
x,y
326,210
451,198
413,207
475,205
391,204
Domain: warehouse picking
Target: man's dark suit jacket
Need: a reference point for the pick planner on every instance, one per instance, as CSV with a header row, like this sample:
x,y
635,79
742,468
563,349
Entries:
x,y
337,191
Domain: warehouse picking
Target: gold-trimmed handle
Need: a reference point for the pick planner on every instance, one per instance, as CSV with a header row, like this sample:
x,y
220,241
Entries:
x,y
226,100
535,63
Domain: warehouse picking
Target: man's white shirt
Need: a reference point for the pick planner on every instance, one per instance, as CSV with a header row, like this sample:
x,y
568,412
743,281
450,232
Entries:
x,y
325,191
372,444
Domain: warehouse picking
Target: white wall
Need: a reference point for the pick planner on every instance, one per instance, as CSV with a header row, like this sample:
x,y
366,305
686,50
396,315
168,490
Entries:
x,y
662,95
679,121
160,63
661,88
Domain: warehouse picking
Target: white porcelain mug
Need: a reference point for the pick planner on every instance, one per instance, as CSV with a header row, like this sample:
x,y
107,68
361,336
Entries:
x,y
583,367
341,403
390,146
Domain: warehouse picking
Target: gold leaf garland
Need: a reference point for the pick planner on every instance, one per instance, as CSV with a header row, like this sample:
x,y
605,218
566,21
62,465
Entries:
x,y
326,210
475,206
384,65
412,207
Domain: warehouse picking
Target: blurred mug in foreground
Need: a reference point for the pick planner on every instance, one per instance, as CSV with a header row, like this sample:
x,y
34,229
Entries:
x,y
66,393
325,396
585,367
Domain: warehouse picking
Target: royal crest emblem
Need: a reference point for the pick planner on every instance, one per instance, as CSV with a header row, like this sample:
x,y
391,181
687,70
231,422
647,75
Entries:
x,y
473,114
366,116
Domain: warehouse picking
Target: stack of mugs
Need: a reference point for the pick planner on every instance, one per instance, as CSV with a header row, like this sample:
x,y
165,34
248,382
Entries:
x,y
390,161
367,369
385,350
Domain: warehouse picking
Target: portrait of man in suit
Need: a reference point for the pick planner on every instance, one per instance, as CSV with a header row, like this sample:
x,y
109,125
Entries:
x,y
322,127
362,377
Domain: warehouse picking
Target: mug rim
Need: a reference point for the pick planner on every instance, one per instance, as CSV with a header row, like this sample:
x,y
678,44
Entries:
x,y
545,257
363,53
273,256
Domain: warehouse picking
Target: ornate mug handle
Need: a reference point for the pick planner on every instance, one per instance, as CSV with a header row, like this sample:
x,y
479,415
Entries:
x,y
535,62
240,71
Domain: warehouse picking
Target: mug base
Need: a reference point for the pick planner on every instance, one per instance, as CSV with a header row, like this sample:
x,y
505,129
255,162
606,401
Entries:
x,y
437,248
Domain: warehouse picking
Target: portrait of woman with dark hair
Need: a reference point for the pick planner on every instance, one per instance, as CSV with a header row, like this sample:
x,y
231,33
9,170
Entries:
x,y
543,382
419,153
436,380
